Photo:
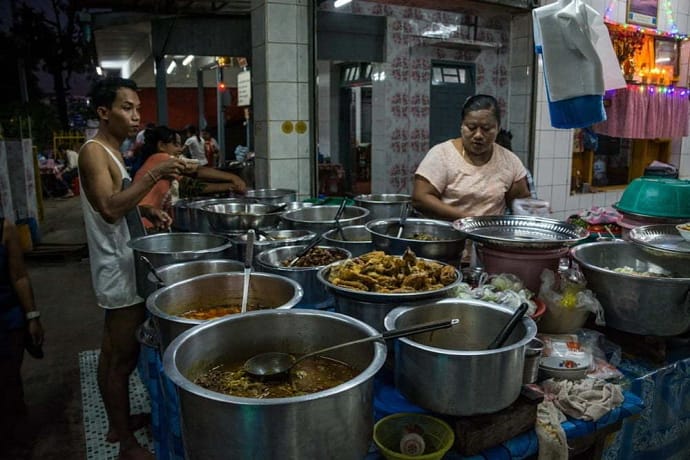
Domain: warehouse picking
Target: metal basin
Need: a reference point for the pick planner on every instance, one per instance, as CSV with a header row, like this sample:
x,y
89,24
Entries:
x,y
384,205
320,219
167,248
234,217
188,217
172,273
261,243
447,245
266,289
292,205
315,293
335,424
357,239
272,195
637,304
450,371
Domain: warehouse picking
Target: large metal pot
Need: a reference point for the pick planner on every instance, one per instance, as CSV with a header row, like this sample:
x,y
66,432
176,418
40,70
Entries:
x,y
188,217
320,219
265,289
172,273
357,239
166,248
444,243
372,307
647,305
272,195
335,424
239,217
451,371
278,238
383,205
315,293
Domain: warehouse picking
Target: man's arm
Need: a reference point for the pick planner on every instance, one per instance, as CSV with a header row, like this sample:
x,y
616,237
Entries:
x,y
425,198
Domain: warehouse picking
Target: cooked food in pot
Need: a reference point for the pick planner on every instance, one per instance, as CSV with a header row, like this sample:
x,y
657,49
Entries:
x,y
378,272
218,311
306,377
317,257
631,271
423,236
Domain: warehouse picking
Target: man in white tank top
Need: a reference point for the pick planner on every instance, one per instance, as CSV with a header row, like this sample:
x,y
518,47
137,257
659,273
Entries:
x,y
105,204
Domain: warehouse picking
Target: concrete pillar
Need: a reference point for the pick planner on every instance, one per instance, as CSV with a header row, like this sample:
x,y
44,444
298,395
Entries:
x,y
281,95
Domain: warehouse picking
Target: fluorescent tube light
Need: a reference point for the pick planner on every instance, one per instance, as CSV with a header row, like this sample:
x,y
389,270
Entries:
x,y
188,59
171,67
339,3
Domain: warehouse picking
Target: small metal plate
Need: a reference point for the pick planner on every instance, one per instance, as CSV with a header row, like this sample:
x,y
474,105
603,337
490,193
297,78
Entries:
x,y
662,238
524,232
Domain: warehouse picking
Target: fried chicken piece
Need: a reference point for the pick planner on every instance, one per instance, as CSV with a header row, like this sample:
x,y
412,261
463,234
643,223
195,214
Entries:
x,y
447,275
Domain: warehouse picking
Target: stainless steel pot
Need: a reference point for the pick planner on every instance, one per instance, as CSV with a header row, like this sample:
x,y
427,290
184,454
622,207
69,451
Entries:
x,y
265,289
446,244
335,424
262,243
240,217
656,305
172,273
315,293
450,371
357,239
166,248
188,217
272,195
383,205
320,219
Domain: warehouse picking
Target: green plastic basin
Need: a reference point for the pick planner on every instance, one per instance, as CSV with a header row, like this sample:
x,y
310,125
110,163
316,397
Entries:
x,y
657,197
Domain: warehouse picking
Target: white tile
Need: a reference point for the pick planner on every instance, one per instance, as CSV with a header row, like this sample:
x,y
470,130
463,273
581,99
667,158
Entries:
x,y
572,204
544,172
544,116
546,141
521,51
612,198
281,62
559,215
282,101
519,109
520,80
563,144
599,199
683,8
558,194
561,171
283,173
280,144
544,192
281,23
304,177
302,24
585,200
303,143
302,63
258,21
303,101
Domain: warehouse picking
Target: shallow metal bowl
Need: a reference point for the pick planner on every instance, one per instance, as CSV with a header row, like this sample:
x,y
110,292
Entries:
x,y
234,217
320,219
272,195
187,214
446,245
357,239
383,205
271,239
172,273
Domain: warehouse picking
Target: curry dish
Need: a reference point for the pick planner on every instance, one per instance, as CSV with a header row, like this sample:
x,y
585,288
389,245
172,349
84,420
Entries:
x,y
377,272
306,377
317,257
218,311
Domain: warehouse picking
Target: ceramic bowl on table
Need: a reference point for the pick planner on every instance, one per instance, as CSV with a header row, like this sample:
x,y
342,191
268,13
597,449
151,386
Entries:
x,y
684,230
570,368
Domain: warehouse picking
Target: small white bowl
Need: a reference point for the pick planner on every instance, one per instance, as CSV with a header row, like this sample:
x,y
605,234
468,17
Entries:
x,y
684,230
561,364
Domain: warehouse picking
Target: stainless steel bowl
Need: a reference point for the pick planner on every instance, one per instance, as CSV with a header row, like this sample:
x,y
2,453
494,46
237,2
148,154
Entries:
x,y
447,244
320,219
167,248
357,239
188,217
656,305
172,273
234,217
265,289
383,205
272,195
315,293
292,205
333,424
278,238
450,371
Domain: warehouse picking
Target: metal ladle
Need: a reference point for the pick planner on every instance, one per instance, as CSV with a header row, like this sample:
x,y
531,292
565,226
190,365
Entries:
x,y
403,219
152,269
338,215
508,328
248,258
273,363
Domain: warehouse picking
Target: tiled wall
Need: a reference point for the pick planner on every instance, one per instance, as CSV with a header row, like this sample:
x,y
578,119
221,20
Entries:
x,y
553,157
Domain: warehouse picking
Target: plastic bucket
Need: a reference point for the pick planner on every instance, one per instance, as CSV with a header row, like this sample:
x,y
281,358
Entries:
x,y
526,264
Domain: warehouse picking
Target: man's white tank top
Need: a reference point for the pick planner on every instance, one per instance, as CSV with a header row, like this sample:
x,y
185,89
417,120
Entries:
x,y
112,261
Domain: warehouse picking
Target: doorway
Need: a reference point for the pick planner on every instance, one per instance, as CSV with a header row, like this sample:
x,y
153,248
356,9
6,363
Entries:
x,y
451,85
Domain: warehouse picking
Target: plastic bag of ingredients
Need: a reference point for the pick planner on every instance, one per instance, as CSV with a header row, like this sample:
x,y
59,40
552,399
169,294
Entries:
x,y
504,289
531,207
568,302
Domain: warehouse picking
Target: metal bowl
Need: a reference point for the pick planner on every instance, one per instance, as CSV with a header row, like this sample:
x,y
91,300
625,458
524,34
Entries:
x,y
188,217
332,424
173,273
277,239
234,217
320,219
384,205
272,195
655,305
292,205
315,293
438,370
266,289
447,244
357,239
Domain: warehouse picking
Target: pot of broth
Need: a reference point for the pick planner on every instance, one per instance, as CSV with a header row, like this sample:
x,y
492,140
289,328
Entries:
x,y
227,414
188,303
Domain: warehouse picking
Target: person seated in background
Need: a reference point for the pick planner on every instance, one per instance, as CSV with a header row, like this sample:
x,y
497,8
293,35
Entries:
x,y
471,175
211,147
70,169
162,143
194,145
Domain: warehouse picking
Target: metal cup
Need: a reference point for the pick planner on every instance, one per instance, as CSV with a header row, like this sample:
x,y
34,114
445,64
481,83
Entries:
x,y
533,352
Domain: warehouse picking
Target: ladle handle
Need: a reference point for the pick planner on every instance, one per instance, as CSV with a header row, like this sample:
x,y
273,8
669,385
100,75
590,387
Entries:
x,y
309,247
419,328
152,269
403,218
249,252
508,328
339,212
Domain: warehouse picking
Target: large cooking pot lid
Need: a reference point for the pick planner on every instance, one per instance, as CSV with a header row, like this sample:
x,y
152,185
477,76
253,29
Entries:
x,y
662,238
526,232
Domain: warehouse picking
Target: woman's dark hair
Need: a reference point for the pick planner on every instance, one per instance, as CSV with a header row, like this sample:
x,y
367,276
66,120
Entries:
x,y
152,136
104,91
481,102
191,130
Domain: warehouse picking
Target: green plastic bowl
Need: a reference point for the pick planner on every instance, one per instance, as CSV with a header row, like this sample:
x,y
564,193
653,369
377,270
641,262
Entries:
x,y
656,197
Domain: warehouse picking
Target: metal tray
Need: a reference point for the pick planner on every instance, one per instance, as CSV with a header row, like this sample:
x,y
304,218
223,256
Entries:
x,y
660,238
520,232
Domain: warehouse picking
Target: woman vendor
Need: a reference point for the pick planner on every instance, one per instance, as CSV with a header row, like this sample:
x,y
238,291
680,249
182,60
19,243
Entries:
x,y
470,175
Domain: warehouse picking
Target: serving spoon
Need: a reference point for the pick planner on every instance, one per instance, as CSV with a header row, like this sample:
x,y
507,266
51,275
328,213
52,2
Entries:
x,y
403,219
248,258
274,362
152,269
